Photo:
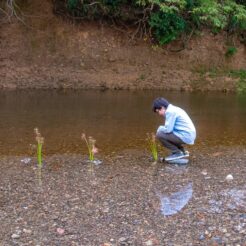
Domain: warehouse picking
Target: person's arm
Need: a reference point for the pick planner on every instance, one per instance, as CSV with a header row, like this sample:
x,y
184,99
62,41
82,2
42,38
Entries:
x,y
169,122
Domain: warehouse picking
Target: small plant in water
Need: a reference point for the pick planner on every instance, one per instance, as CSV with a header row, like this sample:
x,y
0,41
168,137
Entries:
x,y
40,142
152,145
91,146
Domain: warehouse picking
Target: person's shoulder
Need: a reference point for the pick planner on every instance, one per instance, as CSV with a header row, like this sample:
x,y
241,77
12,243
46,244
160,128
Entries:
x,y
175,110
172,108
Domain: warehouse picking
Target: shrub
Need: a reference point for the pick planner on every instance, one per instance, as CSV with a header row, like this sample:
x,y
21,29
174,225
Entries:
x,y
231,51
166,26
163,19
241,76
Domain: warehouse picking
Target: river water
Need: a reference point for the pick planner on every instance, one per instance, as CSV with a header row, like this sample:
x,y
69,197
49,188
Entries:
x,y
116,119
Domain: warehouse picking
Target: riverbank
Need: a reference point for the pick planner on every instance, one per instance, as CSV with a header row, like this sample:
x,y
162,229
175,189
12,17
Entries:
x,y
122,201
52,53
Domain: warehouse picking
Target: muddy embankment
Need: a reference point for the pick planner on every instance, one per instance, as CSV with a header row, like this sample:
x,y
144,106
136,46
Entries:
x,y
49,52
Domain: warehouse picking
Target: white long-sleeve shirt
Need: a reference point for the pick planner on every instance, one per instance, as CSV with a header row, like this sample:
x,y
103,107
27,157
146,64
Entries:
x,y
179,123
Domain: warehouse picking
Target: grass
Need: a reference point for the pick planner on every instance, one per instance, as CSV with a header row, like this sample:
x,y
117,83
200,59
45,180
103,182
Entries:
x,y
40,142
151,139
241,76
91,146
142,77
231,51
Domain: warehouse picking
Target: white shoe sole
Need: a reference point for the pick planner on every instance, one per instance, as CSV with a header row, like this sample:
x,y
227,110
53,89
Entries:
x,y
174,158
179,161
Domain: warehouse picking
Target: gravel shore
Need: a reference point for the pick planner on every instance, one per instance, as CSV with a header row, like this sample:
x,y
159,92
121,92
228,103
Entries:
x,y
126,200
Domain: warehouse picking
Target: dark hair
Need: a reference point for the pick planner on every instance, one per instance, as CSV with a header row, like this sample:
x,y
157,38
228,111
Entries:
x,y
159,103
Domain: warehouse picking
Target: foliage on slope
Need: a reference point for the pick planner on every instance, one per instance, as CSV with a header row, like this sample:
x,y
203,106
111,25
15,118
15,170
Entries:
x,y
163,20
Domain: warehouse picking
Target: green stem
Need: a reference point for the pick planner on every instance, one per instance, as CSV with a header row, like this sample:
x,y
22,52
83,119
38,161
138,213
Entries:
x,y
91,157
39,153
154,151
39,176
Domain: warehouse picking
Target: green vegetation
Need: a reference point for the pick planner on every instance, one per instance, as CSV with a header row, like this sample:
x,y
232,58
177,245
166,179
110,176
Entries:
x,y
90,143
241,76
40,142
238,75
167,26
231,51
152,145
163,20
142,77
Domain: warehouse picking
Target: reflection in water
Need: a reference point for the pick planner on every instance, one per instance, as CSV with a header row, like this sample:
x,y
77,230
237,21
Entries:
x,y
237,198
176,201
234,199
216,207
95,162
174,169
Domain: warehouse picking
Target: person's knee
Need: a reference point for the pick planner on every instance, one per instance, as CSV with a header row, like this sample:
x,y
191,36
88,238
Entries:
x,y
160,135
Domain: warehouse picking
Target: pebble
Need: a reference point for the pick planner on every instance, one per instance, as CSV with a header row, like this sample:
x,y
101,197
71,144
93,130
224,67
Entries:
x,y
243,216
204,172
136,222
106,210
149,243
229,177
224,230
237,228
122,239
27,231
15,236
60,231
208,234
26,160
217,240
201,237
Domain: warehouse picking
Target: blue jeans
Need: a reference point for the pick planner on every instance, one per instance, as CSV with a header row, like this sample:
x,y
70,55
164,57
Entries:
x,y
170,141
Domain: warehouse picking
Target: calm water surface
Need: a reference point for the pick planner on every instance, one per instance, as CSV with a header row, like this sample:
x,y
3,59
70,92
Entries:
x,y
116,119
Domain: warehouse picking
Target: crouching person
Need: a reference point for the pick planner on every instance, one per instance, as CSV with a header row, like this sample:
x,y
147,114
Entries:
x,y
177,130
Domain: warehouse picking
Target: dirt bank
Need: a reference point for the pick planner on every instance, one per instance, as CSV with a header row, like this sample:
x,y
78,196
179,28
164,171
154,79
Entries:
x,y
49,52
124,200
